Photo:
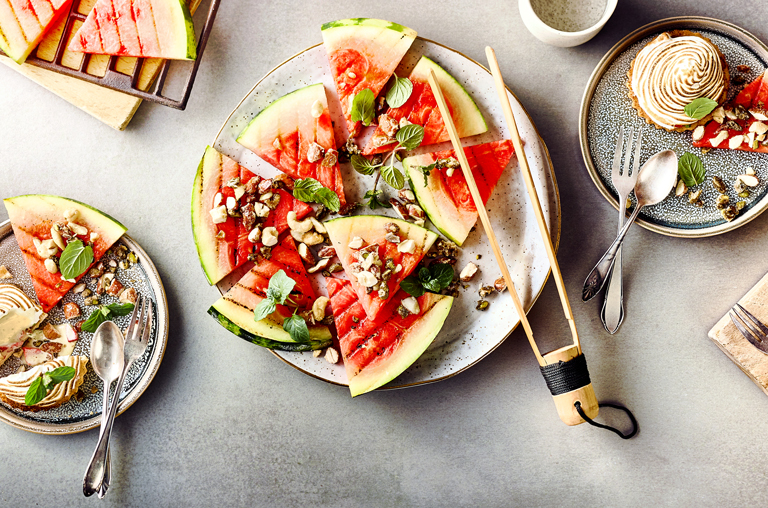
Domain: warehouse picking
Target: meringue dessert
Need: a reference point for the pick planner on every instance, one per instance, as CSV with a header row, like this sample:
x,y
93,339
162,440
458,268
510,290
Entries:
x,y
13,388
670,72
19,315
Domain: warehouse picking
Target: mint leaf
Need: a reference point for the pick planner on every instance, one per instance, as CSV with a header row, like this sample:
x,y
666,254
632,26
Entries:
x,y
296,328
75,259
265,307
328,198
280,287
412,286
427,170
410,136
310,190
399,92
59,375
95,319
440,277
699,108
424,274
35,393
373,200
691,169
393,176
362,165
120,309
362,107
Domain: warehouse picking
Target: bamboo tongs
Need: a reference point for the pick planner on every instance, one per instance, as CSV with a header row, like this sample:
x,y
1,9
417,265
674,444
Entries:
x,y
564,369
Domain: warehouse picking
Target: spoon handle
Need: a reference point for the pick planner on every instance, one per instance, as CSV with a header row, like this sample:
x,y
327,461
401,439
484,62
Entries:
x,y
94,475
599,274
108,464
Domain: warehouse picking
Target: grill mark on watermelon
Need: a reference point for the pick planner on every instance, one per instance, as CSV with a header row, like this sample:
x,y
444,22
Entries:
x,y
32,9
18,21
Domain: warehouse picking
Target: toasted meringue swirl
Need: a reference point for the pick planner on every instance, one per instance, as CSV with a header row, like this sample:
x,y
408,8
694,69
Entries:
x,y
670,72
13,389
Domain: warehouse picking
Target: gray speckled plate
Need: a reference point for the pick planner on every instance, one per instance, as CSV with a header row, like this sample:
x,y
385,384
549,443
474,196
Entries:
x,y
78,416
606,106
468,334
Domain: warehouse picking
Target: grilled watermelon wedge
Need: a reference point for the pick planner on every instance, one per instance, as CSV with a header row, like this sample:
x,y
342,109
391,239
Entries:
x,y
444,194
376,351
421,109
225,246
234,310
363,53
749,130
142,28
285,132
370,232
24,23
32,217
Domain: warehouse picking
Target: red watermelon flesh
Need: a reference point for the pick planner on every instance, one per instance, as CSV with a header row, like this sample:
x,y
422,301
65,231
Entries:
x,y
375,351
23,24
753,98
224,247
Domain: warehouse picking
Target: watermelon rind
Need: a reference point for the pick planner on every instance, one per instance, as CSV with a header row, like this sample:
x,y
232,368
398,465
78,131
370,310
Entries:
x,y
413,343
369,22
205,241
16,41
49,206
466,114
268,332
189,31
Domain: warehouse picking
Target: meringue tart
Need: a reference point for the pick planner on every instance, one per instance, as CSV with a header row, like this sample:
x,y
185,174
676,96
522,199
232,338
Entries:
x,y
13,388
19,315
672,71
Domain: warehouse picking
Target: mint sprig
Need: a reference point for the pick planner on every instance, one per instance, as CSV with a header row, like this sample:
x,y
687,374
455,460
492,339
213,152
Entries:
x,y
40,387
691,169
433,279
278,293
310,190
374,200
75,259
105,313
362,107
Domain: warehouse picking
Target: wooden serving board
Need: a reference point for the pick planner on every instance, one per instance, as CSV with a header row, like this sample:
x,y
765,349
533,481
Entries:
x,y
110,106
753,362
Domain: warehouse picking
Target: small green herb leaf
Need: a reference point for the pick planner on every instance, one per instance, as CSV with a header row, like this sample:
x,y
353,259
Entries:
x,y
691,169
75,259
363,165
296,328
373,200
427,170
59,375
35,393
120,309
399,92
362,107
94,320
280,287
393,176
699,108
328,199
105,313
424,274
310,190
410,136
440,277
265,307
412,286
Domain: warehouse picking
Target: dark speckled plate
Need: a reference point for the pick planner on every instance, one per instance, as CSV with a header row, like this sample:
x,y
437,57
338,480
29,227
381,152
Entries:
x,y
85,413
606,106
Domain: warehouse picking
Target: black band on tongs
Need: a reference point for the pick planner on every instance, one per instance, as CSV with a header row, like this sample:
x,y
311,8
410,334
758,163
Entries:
x,y
563,377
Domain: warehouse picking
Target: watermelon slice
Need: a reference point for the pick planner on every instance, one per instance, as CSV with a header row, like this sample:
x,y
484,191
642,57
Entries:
x,y
32,218
363,53
24,23
286,132
234,310
143,28
375,351
421,109
748,131
225,246
444,194
351,237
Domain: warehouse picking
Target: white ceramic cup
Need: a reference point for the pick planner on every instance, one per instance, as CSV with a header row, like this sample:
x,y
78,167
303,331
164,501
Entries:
x,y
554,37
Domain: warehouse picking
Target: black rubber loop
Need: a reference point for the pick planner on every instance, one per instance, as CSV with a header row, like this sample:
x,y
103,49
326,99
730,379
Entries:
x,y
587,419
563,377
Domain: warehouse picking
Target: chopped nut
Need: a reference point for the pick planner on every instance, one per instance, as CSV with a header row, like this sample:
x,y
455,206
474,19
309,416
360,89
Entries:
x,y
741,112
86,293
468,272
407,247
51,265
46,248
316,353
485,291
104,282
57,238
721,136
315,152
77,229
389,125
260,209
744,194
71,215
128,296
306,255
392,238
52,348
327,252
356,243
749,180
219,214
411,304
718,115
482,305
379,141
336,267
283,180
366,279
331,158
71,310
694,197
263,186
500,284
321,265
749,171
312,238
406,195
296,225
719,185
403,122
317,109
740,205
722,201
415,211
91,300
681,188
729,213
115,287
698,133
269,236
331,356
735,142
50,332
318,308
318,226
4,273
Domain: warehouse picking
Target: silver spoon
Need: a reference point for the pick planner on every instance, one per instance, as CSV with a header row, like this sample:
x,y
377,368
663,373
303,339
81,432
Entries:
x,y
654,182
107,360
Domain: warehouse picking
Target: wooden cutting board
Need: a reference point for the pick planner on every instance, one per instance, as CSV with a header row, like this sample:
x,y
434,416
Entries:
x,y
753,362
111,107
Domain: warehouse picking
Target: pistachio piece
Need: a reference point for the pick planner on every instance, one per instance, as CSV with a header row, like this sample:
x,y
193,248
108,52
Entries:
x,y
719,185
722,201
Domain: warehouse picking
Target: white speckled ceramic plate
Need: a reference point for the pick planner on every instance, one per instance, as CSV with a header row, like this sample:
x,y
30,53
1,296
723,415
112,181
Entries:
x,y
606,106
468,334
85,414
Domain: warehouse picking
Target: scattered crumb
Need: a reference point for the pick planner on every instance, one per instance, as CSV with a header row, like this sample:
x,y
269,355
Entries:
x,y
4,273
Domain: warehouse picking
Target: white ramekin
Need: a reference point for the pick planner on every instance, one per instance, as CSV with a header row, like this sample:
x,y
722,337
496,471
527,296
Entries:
x,y
554,37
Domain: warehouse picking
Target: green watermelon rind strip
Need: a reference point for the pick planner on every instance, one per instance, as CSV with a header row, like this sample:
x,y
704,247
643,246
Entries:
x,y
35,196
265,342
421,196
190,31
207,262
409,32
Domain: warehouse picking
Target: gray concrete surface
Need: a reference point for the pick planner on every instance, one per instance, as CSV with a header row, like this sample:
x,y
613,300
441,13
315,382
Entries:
x,y
227,424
